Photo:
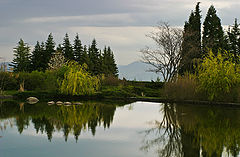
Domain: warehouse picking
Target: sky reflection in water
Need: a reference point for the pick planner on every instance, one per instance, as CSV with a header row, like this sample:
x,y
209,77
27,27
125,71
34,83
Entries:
x,y
140,129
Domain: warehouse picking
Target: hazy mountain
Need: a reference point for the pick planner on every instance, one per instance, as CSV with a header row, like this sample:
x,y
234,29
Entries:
x,y
3,64
137,71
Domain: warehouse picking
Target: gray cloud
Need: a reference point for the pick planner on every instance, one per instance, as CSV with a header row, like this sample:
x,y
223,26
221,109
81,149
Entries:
x,y
122,24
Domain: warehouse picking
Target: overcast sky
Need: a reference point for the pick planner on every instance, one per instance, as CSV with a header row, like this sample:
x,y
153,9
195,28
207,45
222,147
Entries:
x,y
121,24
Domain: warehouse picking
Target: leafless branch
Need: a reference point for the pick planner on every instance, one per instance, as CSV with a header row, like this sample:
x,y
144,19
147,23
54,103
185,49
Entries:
x,y
166,57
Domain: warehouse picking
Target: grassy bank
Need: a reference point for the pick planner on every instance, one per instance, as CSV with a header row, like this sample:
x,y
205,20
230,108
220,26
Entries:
x,y
120,90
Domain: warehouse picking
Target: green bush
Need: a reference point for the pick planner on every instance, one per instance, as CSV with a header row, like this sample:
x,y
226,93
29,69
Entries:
x,y
218,75
36,80
8,81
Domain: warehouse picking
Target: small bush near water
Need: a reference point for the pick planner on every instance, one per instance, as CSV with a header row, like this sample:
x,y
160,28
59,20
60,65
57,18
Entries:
x,y
217,79
183,88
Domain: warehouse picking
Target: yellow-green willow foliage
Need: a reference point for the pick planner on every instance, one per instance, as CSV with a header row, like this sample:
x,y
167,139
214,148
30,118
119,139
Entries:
x,y
218,75
77,81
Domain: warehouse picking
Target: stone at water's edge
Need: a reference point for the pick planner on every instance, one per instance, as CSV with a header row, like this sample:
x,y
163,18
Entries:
x,y
32,100
51,103
77,103
67,103
59,103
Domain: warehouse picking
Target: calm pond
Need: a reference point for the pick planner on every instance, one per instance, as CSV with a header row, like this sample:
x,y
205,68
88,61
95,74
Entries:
x,y
105,129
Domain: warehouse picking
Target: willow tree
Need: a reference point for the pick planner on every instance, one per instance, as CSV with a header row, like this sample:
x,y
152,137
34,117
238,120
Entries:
x,y
77,81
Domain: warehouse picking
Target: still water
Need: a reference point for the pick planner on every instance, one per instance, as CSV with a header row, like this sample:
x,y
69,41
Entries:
x,y
118,129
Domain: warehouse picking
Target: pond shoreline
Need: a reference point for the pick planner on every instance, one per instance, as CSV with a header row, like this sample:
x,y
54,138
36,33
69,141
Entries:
x,y
149,99
7,97
162,100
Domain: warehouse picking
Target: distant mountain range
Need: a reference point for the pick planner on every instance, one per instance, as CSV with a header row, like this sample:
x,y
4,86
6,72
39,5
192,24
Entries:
x,y
137,71
3,64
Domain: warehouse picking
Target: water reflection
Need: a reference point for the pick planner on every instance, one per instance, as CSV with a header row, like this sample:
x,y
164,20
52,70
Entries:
x,y
193,131
49,119
180,130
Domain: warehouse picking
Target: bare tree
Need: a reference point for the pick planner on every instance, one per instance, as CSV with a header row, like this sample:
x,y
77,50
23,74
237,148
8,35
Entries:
x,y
166,57
56,61
165,135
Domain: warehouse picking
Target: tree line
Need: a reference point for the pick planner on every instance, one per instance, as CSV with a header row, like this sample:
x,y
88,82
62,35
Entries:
x,y
197,43
182,51
98,61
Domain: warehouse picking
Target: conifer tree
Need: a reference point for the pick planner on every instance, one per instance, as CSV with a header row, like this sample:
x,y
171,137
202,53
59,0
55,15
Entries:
x,y
67,48
78,50
85,56
49,50
213,35
21,61
38,58
108,63
59,48
90,63
234,40
105,61
191,46
113,65
94,56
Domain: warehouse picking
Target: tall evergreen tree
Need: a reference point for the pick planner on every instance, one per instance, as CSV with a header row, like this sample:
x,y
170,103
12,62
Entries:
x,y
191,45
90,63
108,62
78,50
38,58
234,40
59,48
94,56
49,50
213,35
85,56
21,61
67,48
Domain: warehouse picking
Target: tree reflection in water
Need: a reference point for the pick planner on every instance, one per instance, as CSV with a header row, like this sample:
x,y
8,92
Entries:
x,y
194,131
66,119
164,134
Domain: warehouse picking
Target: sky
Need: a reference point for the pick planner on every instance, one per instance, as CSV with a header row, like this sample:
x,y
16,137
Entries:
x,y
120,24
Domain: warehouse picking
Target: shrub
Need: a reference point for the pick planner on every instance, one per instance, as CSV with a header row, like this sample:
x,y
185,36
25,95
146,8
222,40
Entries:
x,y
7,81
183,88
218,75
111,81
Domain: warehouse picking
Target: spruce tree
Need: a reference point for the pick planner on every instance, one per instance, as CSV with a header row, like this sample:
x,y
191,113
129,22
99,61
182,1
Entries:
x,y
191,46
85,57
213,35
49,50
78,50
94,56
112,65
67,48
108,62
59,48
38,58
234,40
90,63
105,61
21,61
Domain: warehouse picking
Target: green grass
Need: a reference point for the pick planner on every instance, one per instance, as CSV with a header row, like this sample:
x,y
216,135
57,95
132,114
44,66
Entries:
x,y
130,89
10,92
